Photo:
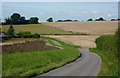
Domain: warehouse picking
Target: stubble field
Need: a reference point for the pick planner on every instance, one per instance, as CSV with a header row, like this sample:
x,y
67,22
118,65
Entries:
x,y
94,29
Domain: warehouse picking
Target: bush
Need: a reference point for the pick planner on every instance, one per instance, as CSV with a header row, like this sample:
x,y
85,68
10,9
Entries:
x,y
108,44
27,35
36,35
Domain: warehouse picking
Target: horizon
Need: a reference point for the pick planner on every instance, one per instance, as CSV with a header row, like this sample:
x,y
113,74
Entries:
x,y
80,11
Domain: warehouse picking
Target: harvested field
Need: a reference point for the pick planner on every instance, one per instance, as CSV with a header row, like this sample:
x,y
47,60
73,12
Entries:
x,y
94,27
87,41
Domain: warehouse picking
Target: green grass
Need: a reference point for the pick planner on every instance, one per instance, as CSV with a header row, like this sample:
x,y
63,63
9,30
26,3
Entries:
x,y
36,28
107,50
109,66
38,62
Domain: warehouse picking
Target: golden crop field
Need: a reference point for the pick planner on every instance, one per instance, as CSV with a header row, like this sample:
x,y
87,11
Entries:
x,y
89,27
95,29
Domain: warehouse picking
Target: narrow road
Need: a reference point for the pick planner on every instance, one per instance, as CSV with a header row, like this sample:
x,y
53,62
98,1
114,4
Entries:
x,y
87,65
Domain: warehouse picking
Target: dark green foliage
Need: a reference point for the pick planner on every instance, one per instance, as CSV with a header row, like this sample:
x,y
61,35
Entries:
x,y
50,20
33,20
17,19
68,20
36,35
90,19
8,20
100,19
113,20
27,35
108,44
10,31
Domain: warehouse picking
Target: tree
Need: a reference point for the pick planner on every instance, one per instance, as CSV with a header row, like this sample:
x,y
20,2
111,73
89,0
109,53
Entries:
x,y
101,19
15,18
90,19
112,19
33,20
50,20
7,21
10,31
22,20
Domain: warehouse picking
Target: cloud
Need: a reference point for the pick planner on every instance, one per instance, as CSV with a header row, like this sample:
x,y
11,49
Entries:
x,y
109,15
95,12
41,13
84,12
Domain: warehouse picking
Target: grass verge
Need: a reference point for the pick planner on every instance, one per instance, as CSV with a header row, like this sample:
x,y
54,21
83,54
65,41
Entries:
x,y
107,50
38,62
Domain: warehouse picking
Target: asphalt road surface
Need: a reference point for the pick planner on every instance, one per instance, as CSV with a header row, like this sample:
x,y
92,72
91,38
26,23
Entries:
x,y
87,65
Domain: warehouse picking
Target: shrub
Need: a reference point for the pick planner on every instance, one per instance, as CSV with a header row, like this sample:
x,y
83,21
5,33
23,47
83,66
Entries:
x,y
108,44
27,35
36,35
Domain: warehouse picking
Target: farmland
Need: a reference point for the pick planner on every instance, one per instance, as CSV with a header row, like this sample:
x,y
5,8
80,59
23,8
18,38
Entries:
x,y
36,28
93,28
38,62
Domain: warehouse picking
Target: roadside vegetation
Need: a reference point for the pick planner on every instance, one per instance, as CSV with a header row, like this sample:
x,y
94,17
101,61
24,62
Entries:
x,y
38,62
107,48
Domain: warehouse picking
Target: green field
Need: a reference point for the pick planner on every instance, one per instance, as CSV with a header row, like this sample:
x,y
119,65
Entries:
x,y
36,28
38,62
108,51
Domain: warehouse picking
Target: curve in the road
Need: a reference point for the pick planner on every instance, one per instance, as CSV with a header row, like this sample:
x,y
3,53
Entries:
x,y
87,65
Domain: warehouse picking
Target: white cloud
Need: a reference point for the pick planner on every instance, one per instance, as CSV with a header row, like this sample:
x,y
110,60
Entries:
x,y
41,13
95,12
109,15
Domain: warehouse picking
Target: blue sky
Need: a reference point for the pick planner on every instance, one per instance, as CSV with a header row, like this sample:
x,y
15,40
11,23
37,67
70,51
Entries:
x,y
61,10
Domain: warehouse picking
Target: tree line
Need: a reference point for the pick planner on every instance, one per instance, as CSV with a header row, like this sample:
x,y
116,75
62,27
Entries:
x,y
18,19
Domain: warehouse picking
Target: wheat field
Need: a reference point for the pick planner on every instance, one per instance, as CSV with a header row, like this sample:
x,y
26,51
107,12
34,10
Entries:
x,y
95,29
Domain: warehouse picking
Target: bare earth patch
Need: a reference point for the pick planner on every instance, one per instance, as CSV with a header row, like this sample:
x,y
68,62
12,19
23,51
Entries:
x,y
95,29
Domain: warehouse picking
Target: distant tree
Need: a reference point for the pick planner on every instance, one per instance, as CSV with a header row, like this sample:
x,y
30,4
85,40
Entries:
x,y
101,19
50,20
15,18
10,31
75,20
67,20
60,21
33,20
96,19
90,19
22,20
112,19
7,21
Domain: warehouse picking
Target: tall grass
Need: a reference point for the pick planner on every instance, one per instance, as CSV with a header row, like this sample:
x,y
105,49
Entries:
x,y
107,48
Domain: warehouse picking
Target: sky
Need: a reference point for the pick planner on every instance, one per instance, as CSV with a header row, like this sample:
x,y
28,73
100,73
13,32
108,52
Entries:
x,y
61,10
60,0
